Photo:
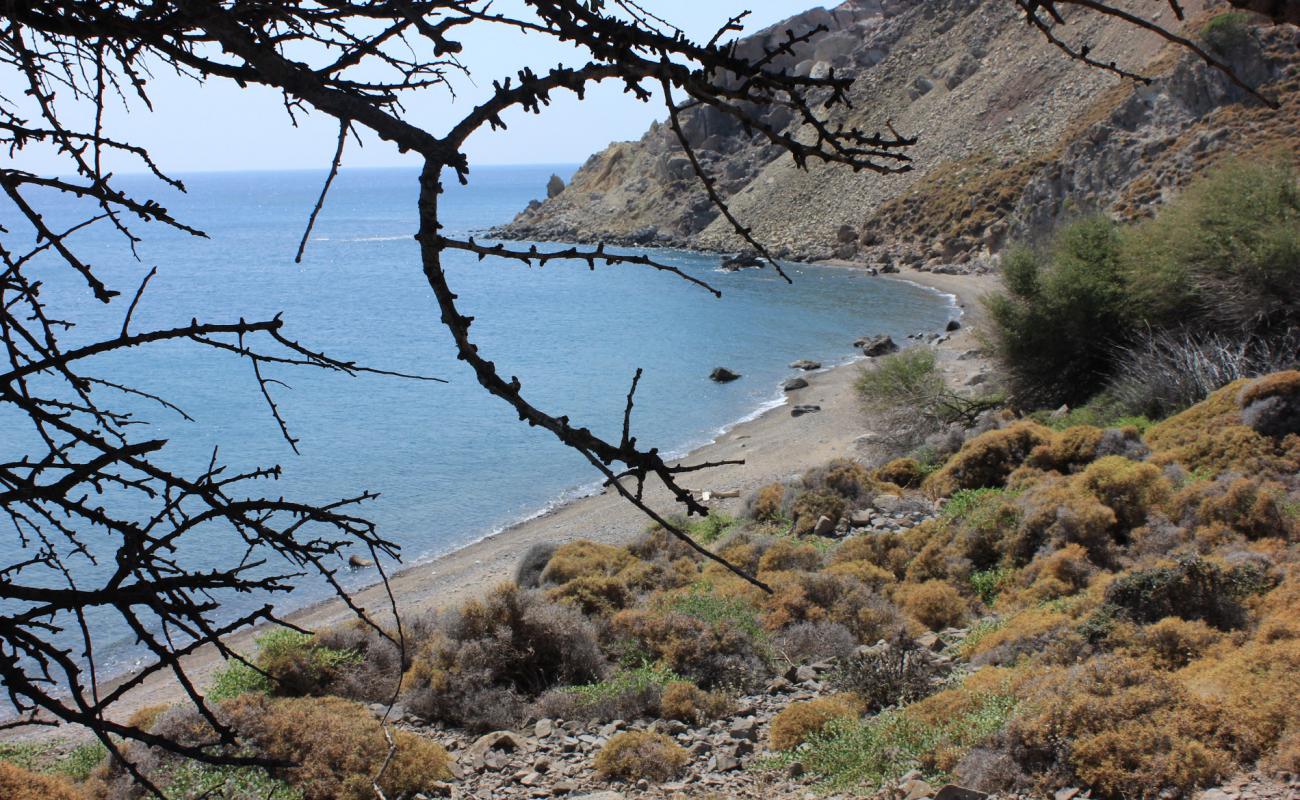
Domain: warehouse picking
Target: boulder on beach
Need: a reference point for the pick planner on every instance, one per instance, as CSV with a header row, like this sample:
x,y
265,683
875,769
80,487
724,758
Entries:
x,y
876,345
806,365
794,383
953,325
723,375
799,411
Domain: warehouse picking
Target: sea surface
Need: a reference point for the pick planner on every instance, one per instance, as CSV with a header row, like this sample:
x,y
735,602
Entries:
x,y
451,463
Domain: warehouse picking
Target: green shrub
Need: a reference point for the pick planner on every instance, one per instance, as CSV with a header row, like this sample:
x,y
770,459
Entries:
x,y
1227,32
1192,588
803,719
909,392
989,583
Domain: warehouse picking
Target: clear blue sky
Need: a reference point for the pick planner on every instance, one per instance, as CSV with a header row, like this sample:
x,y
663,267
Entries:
x,y
218,126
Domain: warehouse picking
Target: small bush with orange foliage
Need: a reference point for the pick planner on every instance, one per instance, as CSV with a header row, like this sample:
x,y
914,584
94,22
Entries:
x,y
17,783
337,747
1254,507
1067,450
809,507
1211,436
633,755
987,460
767,504
1122,728
934,604
785,554
905,473
804,718
1173,643
1057,574
684,701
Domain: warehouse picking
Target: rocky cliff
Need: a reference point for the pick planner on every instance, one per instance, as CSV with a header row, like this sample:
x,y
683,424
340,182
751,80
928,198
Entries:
x,y
1012,135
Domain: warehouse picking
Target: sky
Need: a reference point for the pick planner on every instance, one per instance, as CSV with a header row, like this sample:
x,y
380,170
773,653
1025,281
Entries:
x,y
218,126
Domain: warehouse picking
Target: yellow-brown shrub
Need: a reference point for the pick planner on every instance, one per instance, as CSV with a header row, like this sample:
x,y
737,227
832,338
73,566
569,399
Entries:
x,y
1058,512
598,595
765,506
843,477
1279,384
1252,506
1129,488
811,506
633,755
1071,448
144,717
585,558
786,554
988,459
337,747
864,572
1023,634
1174,642
1057,574
1210,436
802,719
1129,730
888,551
905,473
934,604
684,701
17,783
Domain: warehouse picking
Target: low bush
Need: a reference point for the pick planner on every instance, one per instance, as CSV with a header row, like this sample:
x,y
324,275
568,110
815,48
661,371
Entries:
x,y
1227,31
1121,728
684,701
908,392
628,694
1173,643
802,719
905,473
807,642
633,755
1192,588
528,573
337,747
810,507
786,554
935,604
987,460
17,783
715,642
888,675
768,503
482,663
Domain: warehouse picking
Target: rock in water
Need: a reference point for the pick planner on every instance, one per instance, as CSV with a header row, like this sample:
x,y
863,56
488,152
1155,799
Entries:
x,y
357,562
876,345
795,383
554,186
742,261
953,325
723,375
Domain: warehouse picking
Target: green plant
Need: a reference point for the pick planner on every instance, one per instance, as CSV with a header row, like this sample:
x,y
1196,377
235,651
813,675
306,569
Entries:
x,y
711,528
1228,31
989,583
191,780
804,719
910,391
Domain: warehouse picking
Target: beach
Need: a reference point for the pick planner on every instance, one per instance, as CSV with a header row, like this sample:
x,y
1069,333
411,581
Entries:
x,y
774,446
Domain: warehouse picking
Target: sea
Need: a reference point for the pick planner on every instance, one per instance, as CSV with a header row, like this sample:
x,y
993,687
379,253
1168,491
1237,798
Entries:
x,y
450,463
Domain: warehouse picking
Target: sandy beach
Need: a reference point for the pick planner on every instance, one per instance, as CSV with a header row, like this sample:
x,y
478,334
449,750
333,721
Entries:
x,y
774,446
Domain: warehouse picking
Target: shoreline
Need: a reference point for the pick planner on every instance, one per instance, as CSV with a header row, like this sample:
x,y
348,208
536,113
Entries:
x,y
773,444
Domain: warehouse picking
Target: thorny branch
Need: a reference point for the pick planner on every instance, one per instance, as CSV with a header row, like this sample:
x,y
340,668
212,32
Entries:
x,y
72,498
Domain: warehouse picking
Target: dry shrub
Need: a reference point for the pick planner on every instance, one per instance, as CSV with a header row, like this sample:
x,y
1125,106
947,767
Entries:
x,y
767,504
988,459
934,604
803,719
864,572
1285,758
1255,684
144,718
888,674
1210,436
633,755
1059,512
1068,450
684,701
1058,574
1254,507
786,554
807,642
1280,384
336,746
939,559
1173,643
718,651
528,573
582,559
598,595
17,783
1122,728
372,675
888,551
844,478
828,597
486,658
809,507
1027,633
905,473
1129,488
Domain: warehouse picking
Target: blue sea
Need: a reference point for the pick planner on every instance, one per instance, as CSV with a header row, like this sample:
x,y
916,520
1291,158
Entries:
x,y
451,464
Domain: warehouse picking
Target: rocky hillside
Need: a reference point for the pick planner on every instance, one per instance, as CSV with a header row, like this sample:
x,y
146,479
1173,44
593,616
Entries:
x,y
1012,135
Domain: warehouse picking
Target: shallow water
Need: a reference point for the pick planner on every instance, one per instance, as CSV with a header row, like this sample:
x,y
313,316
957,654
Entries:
x,y
450,462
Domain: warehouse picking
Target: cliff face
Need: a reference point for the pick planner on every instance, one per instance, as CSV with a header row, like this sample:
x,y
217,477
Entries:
x,y
1012,136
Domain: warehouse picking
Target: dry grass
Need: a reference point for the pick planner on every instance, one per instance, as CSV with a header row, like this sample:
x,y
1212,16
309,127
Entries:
x,y
802,719
633,755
